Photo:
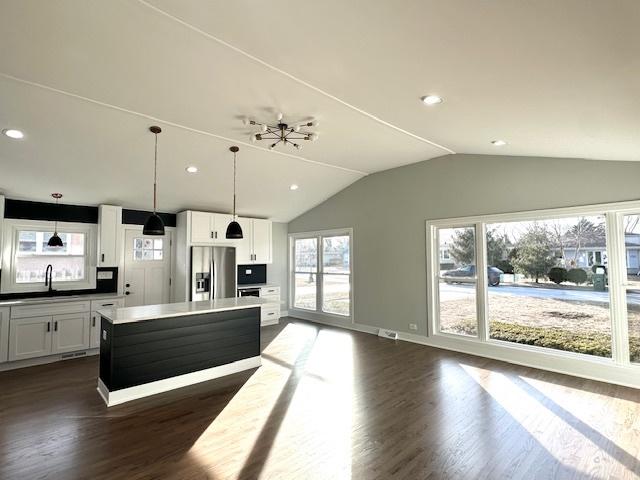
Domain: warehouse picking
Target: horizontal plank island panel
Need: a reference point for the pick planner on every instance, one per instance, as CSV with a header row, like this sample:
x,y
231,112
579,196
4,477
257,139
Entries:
x,y
151,356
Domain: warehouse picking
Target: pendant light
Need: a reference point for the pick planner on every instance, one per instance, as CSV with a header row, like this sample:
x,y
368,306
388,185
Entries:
x,y
55,240
234,230
154,224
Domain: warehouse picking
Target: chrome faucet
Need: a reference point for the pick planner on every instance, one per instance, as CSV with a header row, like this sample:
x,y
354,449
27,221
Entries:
x,y
48,277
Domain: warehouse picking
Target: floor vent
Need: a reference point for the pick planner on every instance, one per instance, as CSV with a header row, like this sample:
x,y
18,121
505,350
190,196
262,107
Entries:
x,y
388,334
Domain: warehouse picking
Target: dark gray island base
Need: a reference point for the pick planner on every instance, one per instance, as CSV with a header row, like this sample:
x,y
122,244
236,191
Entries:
x,y
149,350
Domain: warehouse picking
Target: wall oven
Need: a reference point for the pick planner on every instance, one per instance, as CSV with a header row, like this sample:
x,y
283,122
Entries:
x,y
248,292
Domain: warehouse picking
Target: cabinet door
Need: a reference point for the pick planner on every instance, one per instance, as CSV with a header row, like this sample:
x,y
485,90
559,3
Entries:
x,y
261,241
29,337
244,247
109,219
220,223
94,336
70,332
202,227
4,334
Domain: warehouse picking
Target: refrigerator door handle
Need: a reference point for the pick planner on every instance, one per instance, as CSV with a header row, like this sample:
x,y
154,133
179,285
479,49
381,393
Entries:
x,y
213,279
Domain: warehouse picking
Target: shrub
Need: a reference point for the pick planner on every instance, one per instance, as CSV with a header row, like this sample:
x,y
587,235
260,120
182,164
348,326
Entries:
x,y
505,266
558,275
577,276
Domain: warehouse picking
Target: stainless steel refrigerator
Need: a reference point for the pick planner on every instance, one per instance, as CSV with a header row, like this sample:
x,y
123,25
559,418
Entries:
x,y
213,273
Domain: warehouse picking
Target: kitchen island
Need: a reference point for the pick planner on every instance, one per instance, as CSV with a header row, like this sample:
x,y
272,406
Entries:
x,y
152,349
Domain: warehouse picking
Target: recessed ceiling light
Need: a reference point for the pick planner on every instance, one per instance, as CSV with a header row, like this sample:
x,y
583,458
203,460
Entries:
x,y
498,143
192,169
431,100
293,187
13,133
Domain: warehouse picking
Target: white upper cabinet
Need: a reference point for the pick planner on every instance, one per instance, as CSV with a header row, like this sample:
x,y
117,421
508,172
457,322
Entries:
x,y
209,228
201,227
244,247
109,221
261,241
204,228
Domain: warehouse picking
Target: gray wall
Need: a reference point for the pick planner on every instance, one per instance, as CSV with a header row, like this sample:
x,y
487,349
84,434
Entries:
x,y
277,272
387,212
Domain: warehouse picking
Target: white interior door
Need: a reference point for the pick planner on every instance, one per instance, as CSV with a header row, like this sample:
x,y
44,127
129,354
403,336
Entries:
x,y
146,268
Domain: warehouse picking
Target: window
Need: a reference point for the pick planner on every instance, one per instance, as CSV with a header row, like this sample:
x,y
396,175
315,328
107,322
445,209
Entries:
x,y
26,255
321,273
145,249
457,281
546,291
33,255
563,283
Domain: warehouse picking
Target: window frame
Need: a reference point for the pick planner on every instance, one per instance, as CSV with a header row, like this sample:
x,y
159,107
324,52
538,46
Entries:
x,y
319,313
10,250
618,368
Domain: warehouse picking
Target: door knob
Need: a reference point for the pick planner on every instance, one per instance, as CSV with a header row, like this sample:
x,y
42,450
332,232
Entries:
x,y
127,293
128,285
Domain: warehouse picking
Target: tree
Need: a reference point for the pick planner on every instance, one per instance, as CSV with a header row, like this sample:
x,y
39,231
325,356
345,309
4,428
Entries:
x,y
463,248
584,233
534,255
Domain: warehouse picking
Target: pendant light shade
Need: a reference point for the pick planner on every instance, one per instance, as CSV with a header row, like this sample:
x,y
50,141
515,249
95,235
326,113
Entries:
x,y
55,240
154,224
234,230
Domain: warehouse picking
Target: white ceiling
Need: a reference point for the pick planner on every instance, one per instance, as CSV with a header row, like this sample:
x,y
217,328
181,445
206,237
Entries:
x,y
85,79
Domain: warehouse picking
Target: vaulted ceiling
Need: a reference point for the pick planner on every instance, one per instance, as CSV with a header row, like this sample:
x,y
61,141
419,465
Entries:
x,y
85,79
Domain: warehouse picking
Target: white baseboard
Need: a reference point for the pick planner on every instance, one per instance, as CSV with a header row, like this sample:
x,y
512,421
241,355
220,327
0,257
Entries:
x,y
32,362
358,327
284,313
117,397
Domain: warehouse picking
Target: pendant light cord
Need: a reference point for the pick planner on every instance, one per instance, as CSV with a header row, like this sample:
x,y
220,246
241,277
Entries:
x,y
234,185
155,174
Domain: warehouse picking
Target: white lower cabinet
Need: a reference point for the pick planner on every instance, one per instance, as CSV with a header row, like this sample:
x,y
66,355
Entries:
x,y
269,314
29,337
70,332
38,330
4,334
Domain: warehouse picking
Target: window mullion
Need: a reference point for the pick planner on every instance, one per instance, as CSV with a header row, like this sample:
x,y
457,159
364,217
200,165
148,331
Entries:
x,y
319,275
481,282
617,288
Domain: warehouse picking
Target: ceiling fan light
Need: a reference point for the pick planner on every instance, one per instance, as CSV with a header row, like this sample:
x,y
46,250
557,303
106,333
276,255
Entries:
x,y
234,231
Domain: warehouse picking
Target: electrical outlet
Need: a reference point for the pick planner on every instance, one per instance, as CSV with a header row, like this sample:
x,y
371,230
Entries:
x,y
413,326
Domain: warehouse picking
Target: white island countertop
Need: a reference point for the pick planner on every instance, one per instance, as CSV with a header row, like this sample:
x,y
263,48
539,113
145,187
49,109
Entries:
x,y
152,312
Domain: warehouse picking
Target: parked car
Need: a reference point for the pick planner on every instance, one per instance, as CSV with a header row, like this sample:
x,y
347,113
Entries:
x,y
493,275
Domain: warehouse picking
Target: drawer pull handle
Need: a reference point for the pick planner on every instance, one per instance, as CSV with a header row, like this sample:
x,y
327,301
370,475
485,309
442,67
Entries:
x,y
107,304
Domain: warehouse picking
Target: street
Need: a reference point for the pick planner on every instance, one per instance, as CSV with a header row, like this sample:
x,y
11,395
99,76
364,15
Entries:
x,y
460,291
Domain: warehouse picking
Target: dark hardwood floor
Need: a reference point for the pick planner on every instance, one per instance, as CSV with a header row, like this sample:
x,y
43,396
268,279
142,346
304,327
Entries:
x,y
326,404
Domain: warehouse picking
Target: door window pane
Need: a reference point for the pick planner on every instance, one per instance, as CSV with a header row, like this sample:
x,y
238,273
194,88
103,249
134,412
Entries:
x,y
457,281
305,273
305,290
148,249
336,294
632,254
335,254
306,255
548,284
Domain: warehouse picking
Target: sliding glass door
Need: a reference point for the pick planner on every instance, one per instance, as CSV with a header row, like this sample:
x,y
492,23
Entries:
x,y
322,272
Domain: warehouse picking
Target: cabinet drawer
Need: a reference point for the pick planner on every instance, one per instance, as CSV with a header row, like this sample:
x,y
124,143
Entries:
x,y
271,298
44,309
264,291
269,312
107,303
